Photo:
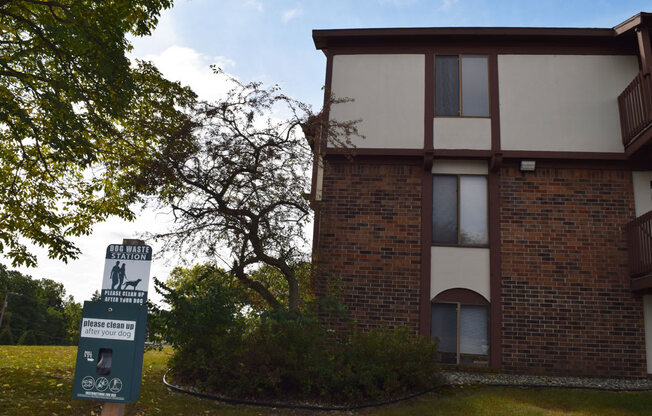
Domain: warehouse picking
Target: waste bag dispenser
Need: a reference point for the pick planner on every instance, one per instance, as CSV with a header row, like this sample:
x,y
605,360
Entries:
x,y
110,353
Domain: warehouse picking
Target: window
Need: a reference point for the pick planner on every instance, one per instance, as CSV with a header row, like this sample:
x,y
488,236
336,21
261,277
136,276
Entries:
x,y
459,210
462,332
461,86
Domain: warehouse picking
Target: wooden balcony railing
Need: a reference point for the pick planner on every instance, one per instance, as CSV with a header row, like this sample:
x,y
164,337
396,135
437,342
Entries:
x,y
639,237
635,107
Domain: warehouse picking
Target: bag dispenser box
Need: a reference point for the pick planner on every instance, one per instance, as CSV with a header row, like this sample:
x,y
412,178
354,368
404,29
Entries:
x,y
110,353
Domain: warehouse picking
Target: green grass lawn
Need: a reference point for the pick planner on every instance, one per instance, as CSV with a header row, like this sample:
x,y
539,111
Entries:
x,y
38,381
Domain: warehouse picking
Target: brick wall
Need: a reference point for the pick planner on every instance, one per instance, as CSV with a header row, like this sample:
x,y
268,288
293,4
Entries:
x,y
369,241
566,300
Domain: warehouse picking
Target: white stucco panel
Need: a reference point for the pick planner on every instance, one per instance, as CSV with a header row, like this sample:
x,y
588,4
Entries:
x,y
459,267
562,102
642,182
460,167
462,133
388,94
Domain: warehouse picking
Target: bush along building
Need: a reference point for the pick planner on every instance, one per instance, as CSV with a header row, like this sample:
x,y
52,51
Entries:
x,y
501,199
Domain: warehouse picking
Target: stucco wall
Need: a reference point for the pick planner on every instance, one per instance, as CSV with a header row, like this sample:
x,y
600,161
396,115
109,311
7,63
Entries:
x,y
462,133
562,102
388,94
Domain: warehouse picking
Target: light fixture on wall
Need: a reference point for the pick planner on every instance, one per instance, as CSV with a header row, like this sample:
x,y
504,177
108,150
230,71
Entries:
x,y
528,165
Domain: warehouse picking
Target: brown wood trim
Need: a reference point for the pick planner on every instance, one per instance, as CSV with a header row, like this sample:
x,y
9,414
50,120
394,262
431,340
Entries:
x,y
426,238
322,36
429,105
626,165
426,194
494,105
495,321
638,143
641,283
461,295
462,153
459,245
367,151
644,49
484,47
587,160
633,22
542,154
379,159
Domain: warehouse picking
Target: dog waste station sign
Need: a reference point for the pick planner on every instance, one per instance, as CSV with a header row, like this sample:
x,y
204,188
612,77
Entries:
x,y
112,334
126,273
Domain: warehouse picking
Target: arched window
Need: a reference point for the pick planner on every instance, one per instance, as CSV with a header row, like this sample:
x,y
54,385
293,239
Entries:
x,y
460,322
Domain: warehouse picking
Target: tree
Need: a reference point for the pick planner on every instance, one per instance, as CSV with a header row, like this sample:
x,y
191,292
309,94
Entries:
x,y
76,119
237,184
96,296
38,307
72,313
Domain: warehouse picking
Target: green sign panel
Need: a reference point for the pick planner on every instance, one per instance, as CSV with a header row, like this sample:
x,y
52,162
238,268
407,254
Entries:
x,y
110,353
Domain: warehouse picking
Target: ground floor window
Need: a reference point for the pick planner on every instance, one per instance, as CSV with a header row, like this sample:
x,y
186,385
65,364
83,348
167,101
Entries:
x,y
462,332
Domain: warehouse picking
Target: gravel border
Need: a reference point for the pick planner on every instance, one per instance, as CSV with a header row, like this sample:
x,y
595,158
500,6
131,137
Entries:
x,y
459,378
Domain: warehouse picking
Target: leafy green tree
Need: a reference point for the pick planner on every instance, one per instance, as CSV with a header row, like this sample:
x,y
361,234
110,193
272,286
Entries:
x,y
37,306
77,118
72,314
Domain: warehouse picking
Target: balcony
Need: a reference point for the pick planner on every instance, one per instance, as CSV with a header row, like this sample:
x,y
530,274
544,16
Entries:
x,y
635,107
639,238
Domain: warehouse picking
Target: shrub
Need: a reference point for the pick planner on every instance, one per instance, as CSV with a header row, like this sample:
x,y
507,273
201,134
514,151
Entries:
x,y
6,337
297,358
223,345
27,338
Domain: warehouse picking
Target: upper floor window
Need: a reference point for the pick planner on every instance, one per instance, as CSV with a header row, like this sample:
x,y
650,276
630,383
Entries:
x,y
461,86
459,210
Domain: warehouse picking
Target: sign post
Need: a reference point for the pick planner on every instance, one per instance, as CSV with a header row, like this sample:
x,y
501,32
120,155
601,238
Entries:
x,y
112,335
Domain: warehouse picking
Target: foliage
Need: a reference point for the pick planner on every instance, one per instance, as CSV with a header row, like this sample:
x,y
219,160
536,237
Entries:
x,y
6,337
39,306
198,305
77,118
237,184
96,296
301,360
27,338
72,315
282,354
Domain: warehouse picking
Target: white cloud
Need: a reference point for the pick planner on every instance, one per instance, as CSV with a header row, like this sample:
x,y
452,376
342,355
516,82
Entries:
x,y
192,68
291,14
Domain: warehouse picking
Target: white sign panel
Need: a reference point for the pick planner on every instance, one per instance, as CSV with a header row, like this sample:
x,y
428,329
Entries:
x,y
126,273
108,329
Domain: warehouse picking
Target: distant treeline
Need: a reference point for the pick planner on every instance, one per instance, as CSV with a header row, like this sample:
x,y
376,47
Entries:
x,y
38,311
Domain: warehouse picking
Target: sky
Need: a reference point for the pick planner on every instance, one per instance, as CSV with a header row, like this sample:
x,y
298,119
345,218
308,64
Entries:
x,y
271,42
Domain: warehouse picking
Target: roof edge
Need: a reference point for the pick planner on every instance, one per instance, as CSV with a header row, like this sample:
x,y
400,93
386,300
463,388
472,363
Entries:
x,y
322,37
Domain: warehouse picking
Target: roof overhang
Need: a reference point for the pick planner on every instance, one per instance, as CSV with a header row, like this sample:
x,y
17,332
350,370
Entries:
x,y
343,38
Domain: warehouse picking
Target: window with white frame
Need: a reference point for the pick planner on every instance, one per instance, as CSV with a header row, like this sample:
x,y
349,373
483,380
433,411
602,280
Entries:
x,y
461,86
